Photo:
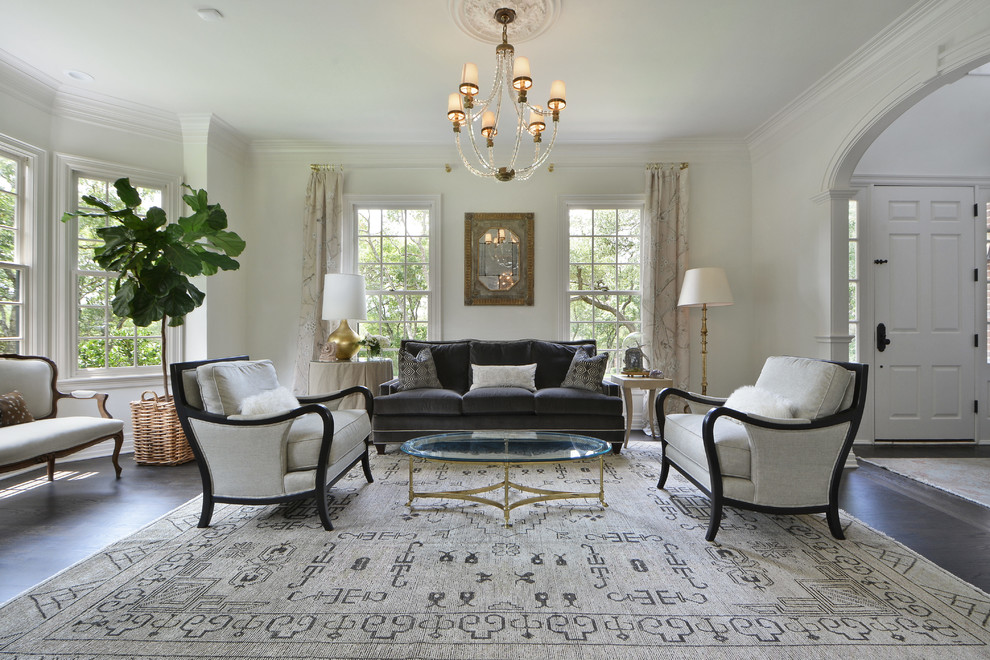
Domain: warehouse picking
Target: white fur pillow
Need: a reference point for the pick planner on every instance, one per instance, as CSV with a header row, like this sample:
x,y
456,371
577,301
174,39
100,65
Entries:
x,y
754,401
269,402
514,375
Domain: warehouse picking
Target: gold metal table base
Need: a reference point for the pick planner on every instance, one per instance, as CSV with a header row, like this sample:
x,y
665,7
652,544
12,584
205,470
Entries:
x,y
542,494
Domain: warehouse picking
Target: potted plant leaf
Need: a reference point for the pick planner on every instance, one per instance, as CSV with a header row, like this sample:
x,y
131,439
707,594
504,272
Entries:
x,y
153,260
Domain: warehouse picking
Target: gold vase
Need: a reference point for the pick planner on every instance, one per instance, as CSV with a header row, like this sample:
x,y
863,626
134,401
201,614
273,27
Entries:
x,y
346,341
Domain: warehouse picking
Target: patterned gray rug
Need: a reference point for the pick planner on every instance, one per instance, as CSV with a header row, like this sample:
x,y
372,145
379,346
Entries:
x,y
568,580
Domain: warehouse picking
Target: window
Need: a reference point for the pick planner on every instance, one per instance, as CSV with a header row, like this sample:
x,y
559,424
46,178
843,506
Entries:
x,y
103,339
854,280
12,266
395,255
603,290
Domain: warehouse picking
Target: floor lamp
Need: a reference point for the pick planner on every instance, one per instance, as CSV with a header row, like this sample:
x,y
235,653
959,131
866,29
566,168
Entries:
x,y
344,298
704,287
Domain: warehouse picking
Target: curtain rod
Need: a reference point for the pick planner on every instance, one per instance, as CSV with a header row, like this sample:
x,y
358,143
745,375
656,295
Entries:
x,y
327,167
654,166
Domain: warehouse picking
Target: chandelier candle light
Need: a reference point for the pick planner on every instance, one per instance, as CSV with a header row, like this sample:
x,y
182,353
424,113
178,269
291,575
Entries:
x,y
512,75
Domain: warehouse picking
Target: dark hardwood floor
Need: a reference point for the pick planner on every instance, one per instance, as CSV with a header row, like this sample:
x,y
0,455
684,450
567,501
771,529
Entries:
x,y
50,526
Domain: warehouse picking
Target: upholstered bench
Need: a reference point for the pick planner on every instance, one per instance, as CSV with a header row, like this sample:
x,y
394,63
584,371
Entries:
x,y
30,430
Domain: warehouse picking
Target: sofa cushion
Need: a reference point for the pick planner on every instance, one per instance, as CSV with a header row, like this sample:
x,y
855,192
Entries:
x,y
586,372
451,360
572,402
224,385
501,352
553,359
418,371
507,400
731,443
504,375
419,402
13,409
816,388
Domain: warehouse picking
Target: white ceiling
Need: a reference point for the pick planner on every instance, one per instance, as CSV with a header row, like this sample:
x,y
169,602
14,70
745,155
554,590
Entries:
x,y
354,72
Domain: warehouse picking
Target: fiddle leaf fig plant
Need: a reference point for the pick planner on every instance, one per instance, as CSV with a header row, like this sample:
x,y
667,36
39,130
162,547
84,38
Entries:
x,y
154,259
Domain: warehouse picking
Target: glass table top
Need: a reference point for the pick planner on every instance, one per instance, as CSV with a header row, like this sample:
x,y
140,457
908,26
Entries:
x,y
506,447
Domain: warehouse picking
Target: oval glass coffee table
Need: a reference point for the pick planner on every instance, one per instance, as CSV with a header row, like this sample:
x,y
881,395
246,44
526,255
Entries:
x,y
507,448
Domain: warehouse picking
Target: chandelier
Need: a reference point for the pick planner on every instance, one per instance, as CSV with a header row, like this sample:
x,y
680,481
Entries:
x,y
512,76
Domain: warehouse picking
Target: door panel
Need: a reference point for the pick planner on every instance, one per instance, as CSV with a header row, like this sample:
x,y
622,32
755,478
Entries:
x,y
925,381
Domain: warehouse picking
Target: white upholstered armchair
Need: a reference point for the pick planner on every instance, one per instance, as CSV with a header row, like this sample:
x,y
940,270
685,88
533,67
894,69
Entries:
x,y
256,444
776,447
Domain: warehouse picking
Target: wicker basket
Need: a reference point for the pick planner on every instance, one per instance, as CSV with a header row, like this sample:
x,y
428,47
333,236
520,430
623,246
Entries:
x,y
158,436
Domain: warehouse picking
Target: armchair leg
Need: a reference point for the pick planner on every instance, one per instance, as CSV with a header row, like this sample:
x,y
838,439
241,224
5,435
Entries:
x,y
715,520
207,513
324,510
834,525
118,442
51,467
366,466
664,471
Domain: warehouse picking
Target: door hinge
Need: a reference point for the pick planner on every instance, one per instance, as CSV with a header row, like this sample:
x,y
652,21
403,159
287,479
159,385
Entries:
x,y
976,341
976,406
976,274
976,210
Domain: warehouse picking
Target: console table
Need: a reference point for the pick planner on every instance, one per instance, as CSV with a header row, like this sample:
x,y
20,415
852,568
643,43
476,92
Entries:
x,y
651,385
333,376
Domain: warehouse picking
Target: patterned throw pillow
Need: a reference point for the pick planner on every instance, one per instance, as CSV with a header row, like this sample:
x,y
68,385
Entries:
x,y
13,409
419,371
586,372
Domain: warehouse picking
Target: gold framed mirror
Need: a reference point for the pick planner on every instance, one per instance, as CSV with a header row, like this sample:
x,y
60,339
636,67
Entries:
x,y
498,258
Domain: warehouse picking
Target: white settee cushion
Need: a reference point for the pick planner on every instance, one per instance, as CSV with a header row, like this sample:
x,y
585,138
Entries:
x,y
816,388
25,441
507,375
224,385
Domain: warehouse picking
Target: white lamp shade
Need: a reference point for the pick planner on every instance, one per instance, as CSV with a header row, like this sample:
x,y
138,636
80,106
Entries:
x,y
343,297
705,286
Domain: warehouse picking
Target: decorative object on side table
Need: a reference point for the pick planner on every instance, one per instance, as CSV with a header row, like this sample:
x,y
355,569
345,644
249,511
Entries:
x,y
154,260
633,358
343,299
375,344
704,287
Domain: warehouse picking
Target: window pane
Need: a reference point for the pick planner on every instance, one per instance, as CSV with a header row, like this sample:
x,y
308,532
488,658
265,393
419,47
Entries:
x,y
606,222
581,224
149,352
91,354
10,346
92,322
10,321
8,209
121,353
580,249
8,174
853,290
10,285
852,260
92,290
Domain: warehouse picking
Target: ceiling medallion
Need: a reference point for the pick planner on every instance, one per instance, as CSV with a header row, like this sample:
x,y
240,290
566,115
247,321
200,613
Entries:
x,y
465,109
533,18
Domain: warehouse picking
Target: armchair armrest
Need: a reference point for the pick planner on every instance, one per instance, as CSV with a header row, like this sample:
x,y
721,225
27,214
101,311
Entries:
x,y
369,400
99,397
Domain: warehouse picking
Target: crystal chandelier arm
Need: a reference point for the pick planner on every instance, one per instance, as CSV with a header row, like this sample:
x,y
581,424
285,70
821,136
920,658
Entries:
x,y
486,164
539,159
471,168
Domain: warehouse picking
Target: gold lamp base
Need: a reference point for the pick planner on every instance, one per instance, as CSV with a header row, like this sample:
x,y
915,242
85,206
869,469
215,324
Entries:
x,y
346,341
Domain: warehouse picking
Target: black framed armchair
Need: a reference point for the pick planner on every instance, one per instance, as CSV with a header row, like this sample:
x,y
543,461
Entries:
x,y
789,462
281,449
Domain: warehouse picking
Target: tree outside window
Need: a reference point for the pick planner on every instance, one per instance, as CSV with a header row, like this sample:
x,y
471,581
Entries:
x,y
604,276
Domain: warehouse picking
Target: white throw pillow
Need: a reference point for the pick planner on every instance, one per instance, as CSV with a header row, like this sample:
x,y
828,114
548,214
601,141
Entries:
x,y
269,402
755,401
497,375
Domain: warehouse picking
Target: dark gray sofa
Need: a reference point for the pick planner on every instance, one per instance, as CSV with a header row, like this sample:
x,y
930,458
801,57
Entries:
x,y
402,415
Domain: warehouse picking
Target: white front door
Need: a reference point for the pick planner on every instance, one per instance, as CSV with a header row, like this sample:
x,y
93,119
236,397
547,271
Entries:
x,y
924,265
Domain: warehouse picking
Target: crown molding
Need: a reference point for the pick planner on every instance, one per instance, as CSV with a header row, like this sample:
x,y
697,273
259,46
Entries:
x,y
868,179
565,154
117,114
210,130
916,31
27,84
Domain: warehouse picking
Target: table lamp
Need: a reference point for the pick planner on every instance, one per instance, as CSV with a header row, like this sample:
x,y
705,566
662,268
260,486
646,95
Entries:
x,y
703,287
343,298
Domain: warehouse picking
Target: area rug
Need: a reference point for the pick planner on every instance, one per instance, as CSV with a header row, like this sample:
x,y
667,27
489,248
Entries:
x,y
968,478
570,579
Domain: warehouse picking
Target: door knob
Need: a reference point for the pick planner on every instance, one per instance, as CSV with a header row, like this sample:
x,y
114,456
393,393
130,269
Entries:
x,y
882,340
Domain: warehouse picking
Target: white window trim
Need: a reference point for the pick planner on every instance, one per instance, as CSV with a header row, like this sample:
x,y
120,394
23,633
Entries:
x,y
349,241
34,244
564,204
64,330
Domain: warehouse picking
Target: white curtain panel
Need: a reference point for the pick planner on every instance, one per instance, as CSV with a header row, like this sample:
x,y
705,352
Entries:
x,y
665,249
321,254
